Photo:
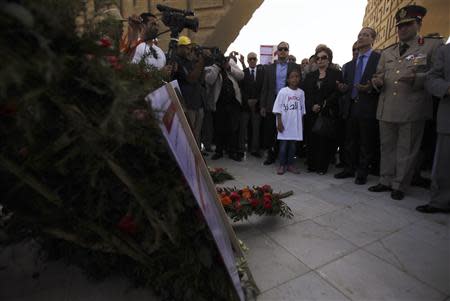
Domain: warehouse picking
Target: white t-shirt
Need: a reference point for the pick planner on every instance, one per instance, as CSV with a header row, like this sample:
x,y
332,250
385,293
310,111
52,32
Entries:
x,y
291,105
143,51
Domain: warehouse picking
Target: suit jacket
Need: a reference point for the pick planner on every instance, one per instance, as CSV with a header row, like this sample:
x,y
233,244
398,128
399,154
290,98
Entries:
x,y
268,92
365,106
328,91
251,88
400,101
437,83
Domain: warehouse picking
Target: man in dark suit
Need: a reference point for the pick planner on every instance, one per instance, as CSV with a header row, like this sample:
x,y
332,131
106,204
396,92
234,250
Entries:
x,y
438,84
251,87
275,76
359,109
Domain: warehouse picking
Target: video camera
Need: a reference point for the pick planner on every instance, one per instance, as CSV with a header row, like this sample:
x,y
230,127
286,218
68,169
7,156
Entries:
x,y
176,20
216,56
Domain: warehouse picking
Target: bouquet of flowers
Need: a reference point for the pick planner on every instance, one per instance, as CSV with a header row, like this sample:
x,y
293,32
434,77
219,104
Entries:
x,y
219,175
260,200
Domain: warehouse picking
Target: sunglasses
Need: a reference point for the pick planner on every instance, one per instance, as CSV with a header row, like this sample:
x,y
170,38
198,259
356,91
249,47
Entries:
x,y
252,58
283,49
322,57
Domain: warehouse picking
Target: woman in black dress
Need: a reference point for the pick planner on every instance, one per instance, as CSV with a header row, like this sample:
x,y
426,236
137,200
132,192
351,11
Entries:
x,y
321,95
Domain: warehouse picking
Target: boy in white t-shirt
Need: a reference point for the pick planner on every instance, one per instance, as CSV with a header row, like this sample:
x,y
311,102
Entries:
x,y
289,108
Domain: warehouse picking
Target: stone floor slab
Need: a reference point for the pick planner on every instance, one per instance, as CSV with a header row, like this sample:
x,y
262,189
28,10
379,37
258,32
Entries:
x,y
313,244
307,287
362,224
362,276
271,264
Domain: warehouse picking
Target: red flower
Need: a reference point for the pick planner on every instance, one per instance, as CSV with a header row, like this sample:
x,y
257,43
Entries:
x,y
127,224
112,59
254,202
237,206
267,196
266,188
267,204
140,114
23,152
8,109
235,196
105,42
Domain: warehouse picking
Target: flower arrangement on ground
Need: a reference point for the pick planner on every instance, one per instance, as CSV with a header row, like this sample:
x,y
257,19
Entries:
x,y
219,175
239,204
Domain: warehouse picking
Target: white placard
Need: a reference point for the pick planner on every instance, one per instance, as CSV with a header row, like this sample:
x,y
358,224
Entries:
x,y
179,138
266,54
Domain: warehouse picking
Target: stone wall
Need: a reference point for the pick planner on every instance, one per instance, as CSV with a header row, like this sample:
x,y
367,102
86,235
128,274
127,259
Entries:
x,y
380,14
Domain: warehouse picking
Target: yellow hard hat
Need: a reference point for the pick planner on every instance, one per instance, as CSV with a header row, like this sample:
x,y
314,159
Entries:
x,y
184,41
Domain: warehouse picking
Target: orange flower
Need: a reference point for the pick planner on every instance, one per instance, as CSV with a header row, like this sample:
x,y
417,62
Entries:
x,y
246,193
226,200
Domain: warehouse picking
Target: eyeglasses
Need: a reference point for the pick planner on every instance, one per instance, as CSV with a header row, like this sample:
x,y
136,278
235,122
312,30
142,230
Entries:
x,y
252,58
283,49
322,57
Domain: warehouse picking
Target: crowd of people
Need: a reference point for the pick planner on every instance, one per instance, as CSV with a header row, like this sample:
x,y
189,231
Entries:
x,y
371,113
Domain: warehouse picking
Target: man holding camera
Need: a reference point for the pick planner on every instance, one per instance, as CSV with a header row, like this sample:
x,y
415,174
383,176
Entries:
x,y
146,50
189,74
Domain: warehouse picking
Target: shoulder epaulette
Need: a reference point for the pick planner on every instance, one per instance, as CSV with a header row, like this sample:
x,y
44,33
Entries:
x,y
395,44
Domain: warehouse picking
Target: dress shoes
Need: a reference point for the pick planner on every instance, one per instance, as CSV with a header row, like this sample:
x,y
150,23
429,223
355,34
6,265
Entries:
x,y
269,161
236,157
340,165
431,209
397,195
256,154
216,156
379,188
344,174
421,182
360,181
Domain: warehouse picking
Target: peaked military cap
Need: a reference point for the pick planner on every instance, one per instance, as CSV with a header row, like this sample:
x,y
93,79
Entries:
x,y
410,13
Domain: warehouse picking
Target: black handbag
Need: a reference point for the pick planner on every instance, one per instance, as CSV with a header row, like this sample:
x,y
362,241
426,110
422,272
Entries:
x,y
325,126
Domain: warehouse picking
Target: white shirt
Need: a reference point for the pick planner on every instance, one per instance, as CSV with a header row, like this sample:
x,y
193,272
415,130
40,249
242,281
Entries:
x,y
291,105
143,51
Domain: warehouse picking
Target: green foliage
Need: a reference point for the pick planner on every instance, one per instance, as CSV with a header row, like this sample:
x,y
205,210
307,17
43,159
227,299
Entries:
x,y
84,169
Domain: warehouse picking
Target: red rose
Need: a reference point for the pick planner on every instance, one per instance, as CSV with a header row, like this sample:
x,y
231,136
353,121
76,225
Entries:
x,y
237,206
127,224
23,152
267,204
254,202
266,188
267,196
235,196
105,42
140,114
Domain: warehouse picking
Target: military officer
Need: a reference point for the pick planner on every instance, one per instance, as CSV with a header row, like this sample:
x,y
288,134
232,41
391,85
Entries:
x,y
403,105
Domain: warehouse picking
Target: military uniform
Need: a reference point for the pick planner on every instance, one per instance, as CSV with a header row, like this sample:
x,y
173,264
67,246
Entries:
x,y
403,108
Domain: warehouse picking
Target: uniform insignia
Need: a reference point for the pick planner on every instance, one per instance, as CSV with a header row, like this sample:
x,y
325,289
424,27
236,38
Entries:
x,y
410,57
421,40
402,13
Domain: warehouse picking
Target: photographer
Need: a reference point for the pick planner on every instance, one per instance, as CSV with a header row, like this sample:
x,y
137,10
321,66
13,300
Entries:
x,y
189,74
146,50
223,90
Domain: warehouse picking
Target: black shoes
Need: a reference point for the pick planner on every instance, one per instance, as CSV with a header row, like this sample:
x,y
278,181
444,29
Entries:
x,y
431,209
379,188
421,182
397,195
360,181
217,156
256,154
236,157
344,174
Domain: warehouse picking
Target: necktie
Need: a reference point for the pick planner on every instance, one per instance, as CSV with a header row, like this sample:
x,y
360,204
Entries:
x,y
253,74
403,48
358,75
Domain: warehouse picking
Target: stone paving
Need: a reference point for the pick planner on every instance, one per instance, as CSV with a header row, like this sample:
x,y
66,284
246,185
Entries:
x,y
344,243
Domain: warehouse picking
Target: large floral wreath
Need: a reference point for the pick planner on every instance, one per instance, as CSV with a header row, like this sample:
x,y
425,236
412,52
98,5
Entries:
x,y
260,200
